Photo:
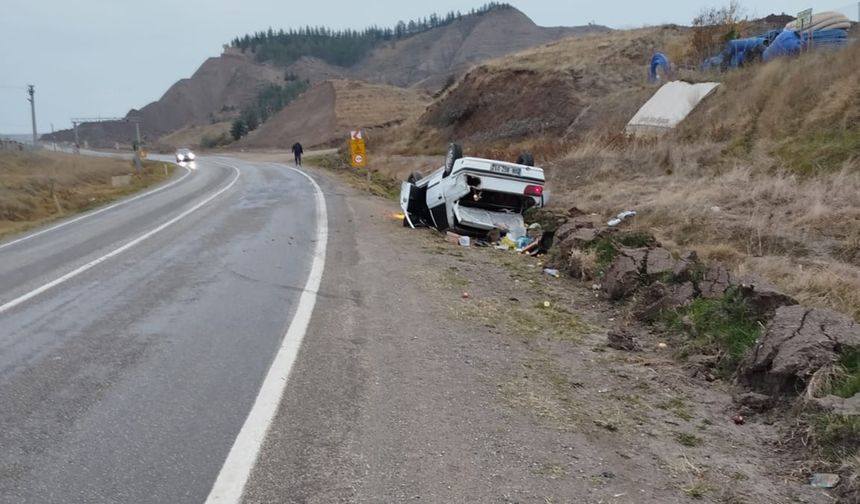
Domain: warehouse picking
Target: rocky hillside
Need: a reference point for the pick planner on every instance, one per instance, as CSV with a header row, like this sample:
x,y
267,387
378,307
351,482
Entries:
x,y
427,60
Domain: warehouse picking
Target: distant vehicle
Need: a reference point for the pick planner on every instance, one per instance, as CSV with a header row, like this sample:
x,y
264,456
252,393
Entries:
x,y
473,194
184,155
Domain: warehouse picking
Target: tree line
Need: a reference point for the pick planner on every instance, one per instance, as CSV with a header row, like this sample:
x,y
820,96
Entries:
x,y
341,47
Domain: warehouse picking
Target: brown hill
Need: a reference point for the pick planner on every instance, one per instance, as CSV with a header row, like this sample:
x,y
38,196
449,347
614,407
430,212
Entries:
x,y
218,86
427,60
214,93
327,113
593,83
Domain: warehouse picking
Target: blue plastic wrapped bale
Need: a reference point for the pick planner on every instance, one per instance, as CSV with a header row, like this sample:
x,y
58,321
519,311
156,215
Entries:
x,y
786,44
659,61
826,39
738,49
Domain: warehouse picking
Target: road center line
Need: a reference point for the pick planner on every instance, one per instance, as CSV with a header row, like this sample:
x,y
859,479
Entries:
x,y
100,210
68,276
233,477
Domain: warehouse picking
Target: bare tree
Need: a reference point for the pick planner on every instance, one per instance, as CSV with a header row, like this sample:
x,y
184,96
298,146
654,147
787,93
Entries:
x,y
715,26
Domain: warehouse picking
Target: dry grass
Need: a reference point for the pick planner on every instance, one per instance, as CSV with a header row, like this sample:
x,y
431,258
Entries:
x,y
362,105
799,232
42,186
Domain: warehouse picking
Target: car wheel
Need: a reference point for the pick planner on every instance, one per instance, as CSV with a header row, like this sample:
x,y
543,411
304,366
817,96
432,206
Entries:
x,y
526,159
455,152
415,177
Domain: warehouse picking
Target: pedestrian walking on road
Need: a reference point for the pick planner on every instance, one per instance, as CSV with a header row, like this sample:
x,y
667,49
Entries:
x,y
298,151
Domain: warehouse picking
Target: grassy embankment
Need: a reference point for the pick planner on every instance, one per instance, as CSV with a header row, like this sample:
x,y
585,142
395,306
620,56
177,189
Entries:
x,y
764,176
38,187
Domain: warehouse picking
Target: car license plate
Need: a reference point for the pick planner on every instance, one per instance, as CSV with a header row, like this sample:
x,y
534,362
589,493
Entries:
x,y
507,170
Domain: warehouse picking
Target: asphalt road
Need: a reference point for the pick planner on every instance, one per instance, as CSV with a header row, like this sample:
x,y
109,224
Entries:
x,y
130,381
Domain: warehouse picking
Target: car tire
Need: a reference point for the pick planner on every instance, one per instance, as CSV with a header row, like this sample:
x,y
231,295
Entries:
x,y
526,159
455,152
415,177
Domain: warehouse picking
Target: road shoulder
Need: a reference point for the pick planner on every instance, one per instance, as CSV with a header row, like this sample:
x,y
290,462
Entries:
x,y
406,390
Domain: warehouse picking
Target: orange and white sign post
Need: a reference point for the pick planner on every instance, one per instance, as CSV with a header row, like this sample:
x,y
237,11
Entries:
x,y
357,150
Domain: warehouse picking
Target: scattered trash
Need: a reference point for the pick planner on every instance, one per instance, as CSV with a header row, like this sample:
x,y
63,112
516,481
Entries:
x,y
596,287
508,242
623,216
824,480
466,295
552,272
716,209
452,237
523,242
465,241
662,345
547,304
739,419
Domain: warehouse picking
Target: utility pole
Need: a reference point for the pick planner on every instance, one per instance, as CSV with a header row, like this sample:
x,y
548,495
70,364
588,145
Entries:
x,y
75,127
31,90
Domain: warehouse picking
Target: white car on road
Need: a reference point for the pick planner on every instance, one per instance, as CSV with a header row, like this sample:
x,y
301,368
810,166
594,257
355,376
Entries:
x,y
473,194
185,155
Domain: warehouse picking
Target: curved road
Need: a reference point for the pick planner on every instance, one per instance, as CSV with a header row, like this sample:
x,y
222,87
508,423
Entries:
x,y
134,341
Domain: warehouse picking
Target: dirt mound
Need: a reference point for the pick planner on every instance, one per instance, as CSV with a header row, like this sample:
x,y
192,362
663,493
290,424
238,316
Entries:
x,y
798,342
327,113
427,59
311,120
220,85
565,88
216,91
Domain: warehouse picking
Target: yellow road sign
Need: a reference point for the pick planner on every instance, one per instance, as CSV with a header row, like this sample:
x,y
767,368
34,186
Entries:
x,y
358,151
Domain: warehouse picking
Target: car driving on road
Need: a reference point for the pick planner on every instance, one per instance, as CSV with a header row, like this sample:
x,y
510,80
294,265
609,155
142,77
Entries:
x,y
184,155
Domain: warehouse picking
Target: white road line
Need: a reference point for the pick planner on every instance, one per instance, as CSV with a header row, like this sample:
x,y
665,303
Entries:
x,y
68,276
230,484
100,210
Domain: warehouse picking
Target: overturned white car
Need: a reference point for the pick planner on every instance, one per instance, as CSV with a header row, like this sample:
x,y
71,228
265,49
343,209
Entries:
x,y
474,195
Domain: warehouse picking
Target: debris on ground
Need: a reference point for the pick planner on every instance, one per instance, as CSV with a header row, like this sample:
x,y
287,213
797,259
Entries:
x,y
552,272
623,216
824,480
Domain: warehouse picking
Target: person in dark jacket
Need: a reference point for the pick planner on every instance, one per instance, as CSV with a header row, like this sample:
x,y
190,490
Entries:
x,y
298,151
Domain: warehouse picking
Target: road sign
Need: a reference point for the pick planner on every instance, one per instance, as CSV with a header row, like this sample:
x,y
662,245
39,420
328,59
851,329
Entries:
x,y
804,19
358,150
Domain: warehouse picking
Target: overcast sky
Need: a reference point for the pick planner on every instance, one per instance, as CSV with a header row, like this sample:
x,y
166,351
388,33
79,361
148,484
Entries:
x,y
103,57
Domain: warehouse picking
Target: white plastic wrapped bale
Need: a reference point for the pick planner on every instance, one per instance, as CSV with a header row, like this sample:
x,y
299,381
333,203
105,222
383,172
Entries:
x,y
824,21
668,107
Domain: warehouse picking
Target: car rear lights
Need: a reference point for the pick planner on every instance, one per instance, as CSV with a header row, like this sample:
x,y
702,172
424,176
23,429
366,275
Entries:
x,y
534,190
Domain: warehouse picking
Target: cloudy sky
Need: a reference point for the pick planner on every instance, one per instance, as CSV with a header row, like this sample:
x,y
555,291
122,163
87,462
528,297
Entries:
x,y
103,57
